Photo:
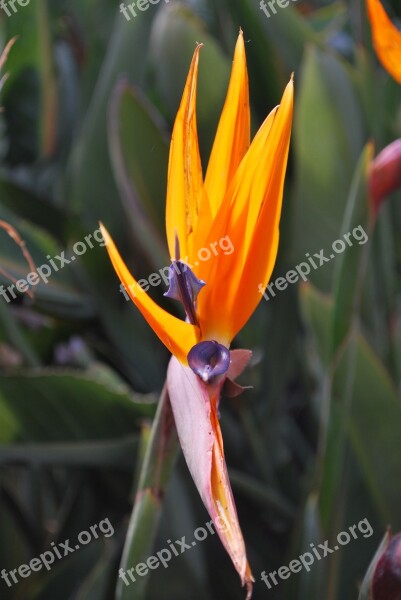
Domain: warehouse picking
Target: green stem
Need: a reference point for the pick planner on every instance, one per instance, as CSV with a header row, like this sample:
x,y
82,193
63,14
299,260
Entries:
x,y
160,456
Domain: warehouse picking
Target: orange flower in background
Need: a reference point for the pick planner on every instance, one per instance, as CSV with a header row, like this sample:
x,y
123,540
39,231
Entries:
x,y
238,200
386,39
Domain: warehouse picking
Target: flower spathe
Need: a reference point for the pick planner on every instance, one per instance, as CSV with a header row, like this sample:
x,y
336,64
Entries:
x,y
240,198
385,174
195,409
386,39
386,579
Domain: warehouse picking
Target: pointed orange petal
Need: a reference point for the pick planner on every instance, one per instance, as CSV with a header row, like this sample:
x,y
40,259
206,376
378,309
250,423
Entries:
x,y
224,270
386,39
263,219
176,335
233,133
185,178
250,217
194,406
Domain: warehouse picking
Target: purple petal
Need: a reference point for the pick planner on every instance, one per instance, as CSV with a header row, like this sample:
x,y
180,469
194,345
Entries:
x,y
209,359
184,287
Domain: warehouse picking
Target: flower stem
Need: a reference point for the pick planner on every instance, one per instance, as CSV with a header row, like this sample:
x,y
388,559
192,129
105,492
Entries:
x,y
161,453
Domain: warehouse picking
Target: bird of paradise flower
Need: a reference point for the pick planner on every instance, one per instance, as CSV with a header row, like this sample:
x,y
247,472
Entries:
x,y
240,197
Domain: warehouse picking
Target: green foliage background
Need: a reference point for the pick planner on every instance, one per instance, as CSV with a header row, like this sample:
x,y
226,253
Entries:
x,y
314,447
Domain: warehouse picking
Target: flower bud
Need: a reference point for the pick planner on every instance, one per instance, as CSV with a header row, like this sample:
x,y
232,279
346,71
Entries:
x,y
386,582
385,174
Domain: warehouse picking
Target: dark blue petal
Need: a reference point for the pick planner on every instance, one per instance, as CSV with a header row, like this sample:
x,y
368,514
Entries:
x,y
184,287
209,359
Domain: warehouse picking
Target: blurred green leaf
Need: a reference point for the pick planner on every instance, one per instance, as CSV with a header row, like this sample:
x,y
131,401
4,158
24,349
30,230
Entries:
x,y
56,292
350,266
91,190
177,26
328,137
49,92
285,29
281,35
364,411
308,584
59,406
329,18
267,73
62,581
261,493
374,426
33,55
131,121
317,309
28,206
13,332
90,185
96,585
118,453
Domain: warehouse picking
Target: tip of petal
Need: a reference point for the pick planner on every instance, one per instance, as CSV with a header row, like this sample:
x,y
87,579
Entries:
x,y
248,580
249,590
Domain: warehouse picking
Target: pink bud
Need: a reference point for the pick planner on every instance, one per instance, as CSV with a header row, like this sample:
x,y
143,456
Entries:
x,y
386,583
385,174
